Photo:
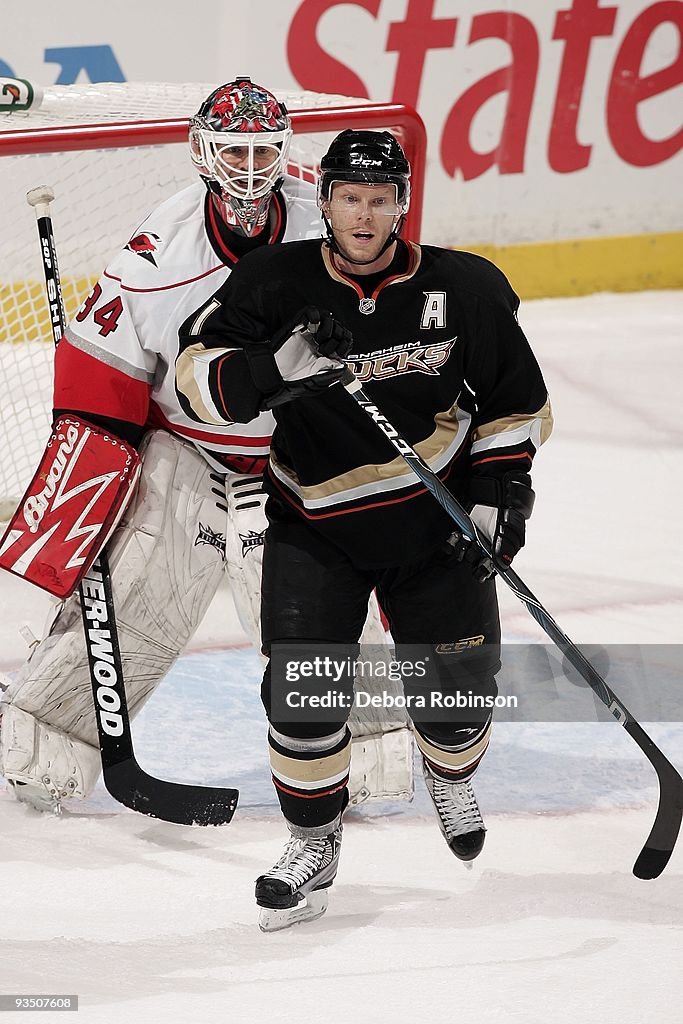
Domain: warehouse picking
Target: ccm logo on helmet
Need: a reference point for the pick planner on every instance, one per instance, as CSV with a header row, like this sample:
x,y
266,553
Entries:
x,y
360,160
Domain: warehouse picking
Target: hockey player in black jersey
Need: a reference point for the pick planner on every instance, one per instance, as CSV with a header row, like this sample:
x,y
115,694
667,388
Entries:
x,y
433,335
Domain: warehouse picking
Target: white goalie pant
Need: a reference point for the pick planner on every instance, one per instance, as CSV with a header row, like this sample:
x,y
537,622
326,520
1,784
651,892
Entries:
x,y
167,559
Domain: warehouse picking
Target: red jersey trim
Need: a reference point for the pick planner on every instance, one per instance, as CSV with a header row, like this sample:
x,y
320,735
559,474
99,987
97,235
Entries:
x,y
310,796
157,418
414,260
163,287
503,458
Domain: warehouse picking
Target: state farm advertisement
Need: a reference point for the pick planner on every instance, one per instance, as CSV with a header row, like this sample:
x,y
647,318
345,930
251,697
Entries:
x,y
547,119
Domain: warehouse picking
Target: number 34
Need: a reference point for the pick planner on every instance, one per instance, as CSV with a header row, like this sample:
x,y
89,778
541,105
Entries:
x,y
106,316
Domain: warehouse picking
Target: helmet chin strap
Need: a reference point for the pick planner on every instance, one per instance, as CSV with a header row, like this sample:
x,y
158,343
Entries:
x,y
335,246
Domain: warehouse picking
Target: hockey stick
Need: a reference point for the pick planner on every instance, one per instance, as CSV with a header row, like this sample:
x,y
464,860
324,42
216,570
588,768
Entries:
x,y
124,778
659,845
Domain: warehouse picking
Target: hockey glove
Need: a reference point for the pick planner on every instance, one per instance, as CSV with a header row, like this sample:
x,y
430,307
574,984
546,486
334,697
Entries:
x,y
500,511
303,358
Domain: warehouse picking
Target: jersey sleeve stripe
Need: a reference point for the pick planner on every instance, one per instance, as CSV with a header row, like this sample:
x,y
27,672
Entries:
x,y
221,440
193,366
215,381
88,384
514,430
107,357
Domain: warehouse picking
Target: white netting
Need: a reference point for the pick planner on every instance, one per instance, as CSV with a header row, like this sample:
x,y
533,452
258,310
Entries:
x,y
101,196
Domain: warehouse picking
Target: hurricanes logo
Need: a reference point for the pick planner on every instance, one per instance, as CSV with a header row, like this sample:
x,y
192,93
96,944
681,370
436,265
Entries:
x,y
207,536
16,94
11,93
144,245
400,359
251,540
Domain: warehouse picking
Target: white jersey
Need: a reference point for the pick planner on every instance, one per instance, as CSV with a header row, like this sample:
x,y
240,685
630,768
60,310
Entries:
x,y
117,358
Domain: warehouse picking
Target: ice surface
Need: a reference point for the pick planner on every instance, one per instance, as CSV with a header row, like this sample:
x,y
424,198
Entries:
x,y
151,922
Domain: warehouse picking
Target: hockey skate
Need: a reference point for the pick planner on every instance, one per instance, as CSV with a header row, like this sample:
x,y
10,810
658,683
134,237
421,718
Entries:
x,y
460,819
295,888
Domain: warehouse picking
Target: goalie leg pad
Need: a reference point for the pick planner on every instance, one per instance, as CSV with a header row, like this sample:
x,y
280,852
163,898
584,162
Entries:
x,y
43,765
366,719
382,767
166,559
382,741
246,531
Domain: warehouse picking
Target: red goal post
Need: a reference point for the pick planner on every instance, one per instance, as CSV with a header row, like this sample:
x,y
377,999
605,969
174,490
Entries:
x,y
112,152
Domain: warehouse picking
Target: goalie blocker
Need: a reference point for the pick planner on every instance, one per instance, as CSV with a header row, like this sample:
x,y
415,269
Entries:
x,y
75,500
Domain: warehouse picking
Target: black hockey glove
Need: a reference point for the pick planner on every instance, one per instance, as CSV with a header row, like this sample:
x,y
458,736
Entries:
x,y
501,507
303,358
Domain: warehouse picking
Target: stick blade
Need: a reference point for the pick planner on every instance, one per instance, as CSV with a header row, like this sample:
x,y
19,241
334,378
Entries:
x,y
651,862
169,801
655,855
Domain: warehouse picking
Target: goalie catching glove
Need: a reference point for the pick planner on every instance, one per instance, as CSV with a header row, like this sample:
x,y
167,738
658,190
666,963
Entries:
x,y
303,358
500,511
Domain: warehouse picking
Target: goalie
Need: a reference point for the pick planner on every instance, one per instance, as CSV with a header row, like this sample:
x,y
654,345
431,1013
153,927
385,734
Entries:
x,y
197,513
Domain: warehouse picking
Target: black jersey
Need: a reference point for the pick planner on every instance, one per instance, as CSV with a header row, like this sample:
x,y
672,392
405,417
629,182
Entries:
x,y
436,345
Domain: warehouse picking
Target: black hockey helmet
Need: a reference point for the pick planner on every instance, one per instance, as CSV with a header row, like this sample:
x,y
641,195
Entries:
x,y
368,158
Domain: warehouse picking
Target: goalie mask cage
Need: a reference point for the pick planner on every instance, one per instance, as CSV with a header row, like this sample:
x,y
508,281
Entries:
x,y
112,152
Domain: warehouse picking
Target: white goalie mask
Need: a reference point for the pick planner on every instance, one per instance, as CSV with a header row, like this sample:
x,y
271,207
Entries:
x,y
239,143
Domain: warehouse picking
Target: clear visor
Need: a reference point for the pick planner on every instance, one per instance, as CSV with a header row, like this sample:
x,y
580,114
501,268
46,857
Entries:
x,y
374,199
246,166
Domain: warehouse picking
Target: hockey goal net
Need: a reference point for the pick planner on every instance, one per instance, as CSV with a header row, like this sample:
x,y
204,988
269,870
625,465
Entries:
x,y
112,152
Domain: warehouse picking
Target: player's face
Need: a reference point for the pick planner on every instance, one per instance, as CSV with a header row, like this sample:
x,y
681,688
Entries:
x,y
362,217
236,158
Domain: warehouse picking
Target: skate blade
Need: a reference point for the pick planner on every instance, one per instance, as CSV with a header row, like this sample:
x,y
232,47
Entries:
x,y
313,907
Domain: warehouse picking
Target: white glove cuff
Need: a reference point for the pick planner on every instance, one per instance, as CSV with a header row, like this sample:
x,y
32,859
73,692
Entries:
x,y
298,359
485,518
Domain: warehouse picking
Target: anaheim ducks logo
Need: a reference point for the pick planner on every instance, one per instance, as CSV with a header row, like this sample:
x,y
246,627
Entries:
x,y
144,245
399,359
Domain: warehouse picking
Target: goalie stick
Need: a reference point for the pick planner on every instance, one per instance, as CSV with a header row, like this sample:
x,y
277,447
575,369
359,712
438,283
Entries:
x,y
659,845
124,778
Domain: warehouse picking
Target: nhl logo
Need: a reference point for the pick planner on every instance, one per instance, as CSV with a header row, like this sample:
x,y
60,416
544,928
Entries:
x,y
366,306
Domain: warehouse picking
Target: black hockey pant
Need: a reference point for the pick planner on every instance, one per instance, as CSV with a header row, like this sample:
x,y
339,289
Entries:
x,y
314,597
